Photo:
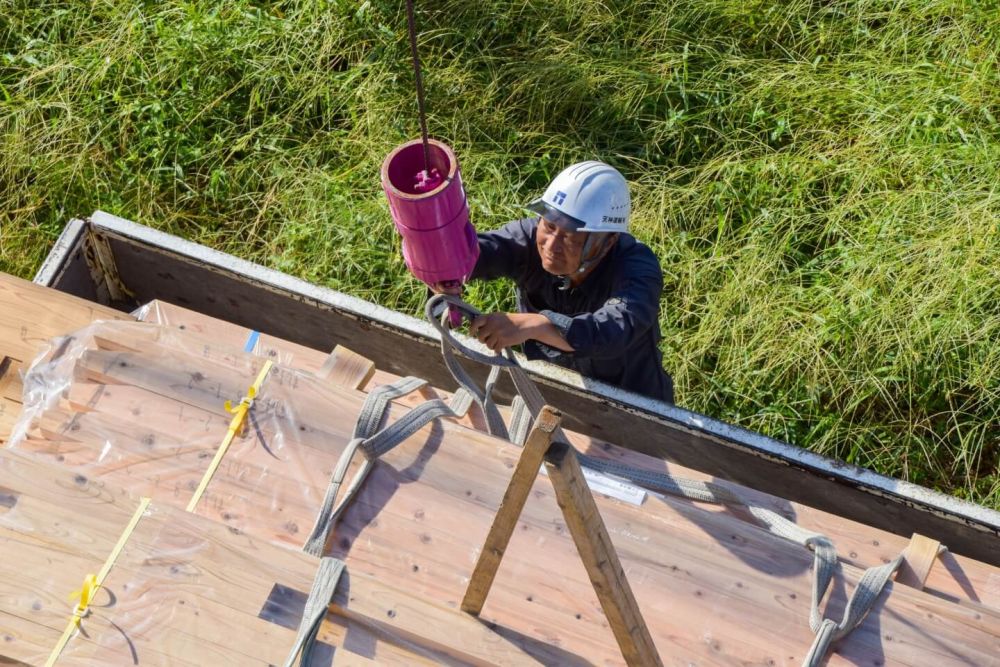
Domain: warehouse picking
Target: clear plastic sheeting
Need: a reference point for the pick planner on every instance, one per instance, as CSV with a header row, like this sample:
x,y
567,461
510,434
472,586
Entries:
x,y
231,336
143,406
320,363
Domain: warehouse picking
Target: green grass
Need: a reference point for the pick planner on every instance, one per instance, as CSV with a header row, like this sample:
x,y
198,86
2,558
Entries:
x,y
819,179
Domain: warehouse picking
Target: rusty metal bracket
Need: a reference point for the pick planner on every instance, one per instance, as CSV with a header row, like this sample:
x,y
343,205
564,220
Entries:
x,y
100,261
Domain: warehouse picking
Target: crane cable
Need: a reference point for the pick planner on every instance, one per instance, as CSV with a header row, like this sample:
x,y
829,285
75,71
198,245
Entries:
x,y
412,27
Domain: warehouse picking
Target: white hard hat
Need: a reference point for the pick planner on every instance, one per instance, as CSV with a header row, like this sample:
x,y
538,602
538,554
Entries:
x,y
587,197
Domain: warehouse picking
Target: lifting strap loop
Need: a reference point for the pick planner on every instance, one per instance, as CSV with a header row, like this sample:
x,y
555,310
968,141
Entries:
x,y
374,440
866,593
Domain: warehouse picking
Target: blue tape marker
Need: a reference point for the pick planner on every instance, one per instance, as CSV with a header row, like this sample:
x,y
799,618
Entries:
x,y
251,341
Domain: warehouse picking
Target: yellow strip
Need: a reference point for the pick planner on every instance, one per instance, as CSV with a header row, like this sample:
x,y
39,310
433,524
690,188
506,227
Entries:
x,y
92,584
235,426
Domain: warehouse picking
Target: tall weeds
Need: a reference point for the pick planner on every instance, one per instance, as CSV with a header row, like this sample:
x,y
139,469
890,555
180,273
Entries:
x,y
819,179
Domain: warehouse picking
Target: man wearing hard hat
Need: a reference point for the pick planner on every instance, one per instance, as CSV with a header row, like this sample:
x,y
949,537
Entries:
x,y
588,293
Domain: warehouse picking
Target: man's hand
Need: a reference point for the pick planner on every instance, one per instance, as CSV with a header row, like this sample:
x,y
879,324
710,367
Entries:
x,y
500,330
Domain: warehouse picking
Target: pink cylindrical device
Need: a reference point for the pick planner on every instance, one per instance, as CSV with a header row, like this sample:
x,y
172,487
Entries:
x,y
430,211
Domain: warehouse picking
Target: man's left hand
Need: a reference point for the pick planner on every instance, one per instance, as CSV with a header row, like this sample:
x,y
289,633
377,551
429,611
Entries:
x,y
500,330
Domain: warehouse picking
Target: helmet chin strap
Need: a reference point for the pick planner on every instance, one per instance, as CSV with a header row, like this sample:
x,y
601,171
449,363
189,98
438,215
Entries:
x,y
566,281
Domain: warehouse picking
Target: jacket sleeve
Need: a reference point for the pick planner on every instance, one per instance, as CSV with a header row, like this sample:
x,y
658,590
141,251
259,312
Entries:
x,y
630,310
504,253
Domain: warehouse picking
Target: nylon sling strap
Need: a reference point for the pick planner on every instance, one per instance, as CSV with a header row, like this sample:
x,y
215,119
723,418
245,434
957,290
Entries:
x,y
323,587
866,593
374,440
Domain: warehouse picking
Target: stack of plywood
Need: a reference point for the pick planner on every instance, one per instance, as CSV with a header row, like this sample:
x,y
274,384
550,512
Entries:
x,y
30,317
140,413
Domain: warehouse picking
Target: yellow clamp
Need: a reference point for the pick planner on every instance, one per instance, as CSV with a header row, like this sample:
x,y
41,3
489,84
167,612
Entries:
x,y
236,425
86,594
92,583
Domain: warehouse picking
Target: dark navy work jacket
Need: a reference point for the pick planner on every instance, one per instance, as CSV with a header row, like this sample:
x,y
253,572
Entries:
x,y
610,319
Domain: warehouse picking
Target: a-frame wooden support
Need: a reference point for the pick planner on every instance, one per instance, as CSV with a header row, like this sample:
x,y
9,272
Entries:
x,y
585,525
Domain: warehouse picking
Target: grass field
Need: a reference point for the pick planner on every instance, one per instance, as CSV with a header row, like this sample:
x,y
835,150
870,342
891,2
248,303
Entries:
x,y
821,180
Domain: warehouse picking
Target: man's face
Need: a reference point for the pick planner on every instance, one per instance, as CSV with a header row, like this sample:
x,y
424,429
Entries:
x,y
560,250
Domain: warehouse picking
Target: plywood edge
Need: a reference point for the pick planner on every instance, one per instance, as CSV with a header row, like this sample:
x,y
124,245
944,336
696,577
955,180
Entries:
x,y
410,619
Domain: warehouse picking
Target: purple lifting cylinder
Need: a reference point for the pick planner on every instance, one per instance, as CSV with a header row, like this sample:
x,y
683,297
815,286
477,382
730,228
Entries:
x,y
439,242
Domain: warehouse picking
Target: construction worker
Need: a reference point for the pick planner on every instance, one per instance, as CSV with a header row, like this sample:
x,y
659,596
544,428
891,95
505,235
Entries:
x,y
588,293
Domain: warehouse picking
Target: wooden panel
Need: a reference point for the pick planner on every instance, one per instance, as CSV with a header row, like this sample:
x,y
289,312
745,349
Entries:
x,y
430,503
421,518
155,271
961,577
31,315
